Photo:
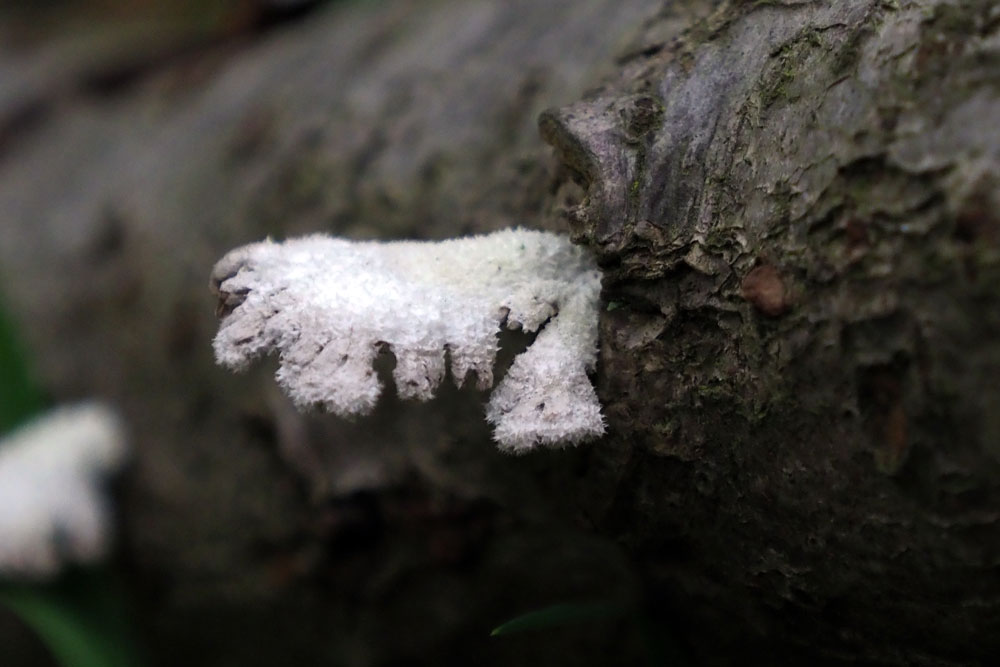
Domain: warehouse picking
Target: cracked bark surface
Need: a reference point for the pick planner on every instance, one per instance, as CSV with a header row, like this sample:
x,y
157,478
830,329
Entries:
x,y
796,207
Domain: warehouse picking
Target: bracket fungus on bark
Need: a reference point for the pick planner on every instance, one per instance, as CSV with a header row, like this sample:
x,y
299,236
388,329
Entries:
x,y
328,306
53,511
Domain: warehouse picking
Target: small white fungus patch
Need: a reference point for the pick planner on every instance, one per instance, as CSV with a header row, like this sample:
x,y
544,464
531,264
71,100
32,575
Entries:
x,y
52,508
328,306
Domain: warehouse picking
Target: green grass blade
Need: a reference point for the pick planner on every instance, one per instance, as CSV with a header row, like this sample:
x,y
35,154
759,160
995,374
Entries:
x,y
559,615
20,397
80,618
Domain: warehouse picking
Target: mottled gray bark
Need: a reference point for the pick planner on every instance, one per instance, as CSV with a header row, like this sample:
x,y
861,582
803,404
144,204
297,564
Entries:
x,y
796,207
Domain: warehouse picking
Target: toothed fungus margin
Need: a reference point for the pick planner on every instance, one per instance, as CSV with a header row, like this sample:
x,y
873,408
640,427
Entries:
x,y
328,305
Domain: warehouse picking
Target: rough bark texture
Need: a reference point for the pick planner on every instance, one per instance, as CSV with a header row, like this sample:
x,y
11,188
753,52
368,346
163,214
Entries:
x,y
796,205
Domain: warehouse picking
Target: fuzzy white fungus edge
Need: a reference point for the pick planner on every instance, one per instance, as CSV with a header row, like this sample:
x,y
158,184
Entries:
x,y
328,306
52,508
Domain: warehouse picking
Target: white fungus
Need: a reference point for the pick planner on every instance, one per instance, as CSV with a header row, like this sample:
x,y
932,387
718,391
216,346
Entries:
x,y
52,508
328,306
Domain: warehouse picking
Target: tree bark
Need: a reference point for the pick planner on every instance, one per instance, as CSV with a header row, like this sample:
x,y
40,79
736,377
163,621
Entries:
x,y
795,207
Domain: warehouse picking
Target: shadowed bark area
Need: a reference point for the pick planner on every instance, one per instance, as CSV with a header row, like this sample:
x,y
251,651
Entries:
x,y
796,204
796,207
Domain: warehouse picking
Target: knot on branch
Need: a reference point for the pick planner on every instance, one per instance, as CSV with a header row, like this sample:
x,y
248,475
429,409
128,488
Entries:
x,y
604,143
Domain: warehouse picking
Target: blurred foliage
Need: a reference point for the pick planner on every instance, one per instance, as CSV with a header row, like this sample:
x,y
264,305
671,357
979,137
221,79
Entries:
x,y
80,616
560,615
663,647
20,397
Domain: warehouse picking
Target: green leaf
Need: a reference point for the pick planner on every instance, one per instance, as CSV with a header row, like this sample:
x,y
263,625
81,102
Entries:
x,y
20,397
560,615
80,618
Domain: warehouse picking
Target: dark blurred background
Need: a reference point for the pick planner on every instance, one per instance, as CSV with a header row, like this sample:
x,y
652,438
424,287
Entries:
x,y
139,141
